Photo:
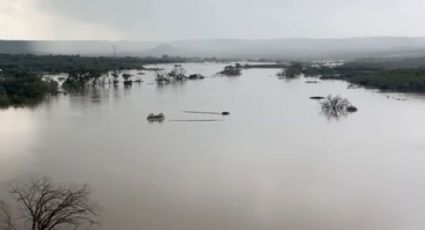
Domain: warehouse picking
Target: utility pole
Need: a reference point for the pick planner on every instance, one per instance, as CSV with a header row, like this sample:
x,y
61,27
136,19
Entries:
x,y
114,50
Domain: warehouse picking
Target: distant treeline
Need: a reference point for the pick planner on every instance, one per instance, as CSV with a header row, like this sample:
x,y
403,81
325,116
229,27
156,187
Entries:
x,y
66,64
388,63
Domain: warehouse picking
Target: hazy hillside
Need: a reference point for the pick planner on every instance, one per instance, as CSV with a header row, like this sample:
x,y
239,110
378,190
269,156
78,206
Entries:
x,y
307,49
75,47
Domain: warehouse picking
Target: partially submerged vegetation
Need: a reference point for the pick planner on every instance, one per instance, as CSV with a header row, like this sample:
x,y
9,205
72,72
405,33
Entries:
x,y
265,66
381,75
292,71
397,74
68,63
21,76
177,74
24,88
196,76
156,117
232,71
336,106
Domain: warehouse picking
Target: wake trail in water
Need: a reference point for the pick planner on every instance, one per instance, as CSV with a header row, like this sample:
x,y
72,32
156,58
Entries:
x,y
197,120
199,112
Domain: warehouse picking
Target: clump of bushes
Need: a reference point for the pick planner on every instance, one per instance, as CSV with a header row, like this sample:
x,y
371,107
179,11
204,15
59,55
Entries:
x,y
232,70
292,71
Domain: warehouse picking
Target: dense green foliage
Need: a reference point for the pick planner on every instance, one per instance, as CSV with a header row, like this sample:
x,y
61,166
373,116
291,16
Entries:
x,y
24,88
380,75
405,80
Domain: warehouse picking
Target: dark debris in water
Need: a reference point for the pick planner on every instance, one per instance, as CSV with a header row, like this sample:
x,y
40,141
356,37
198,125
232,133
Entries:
x,y
317,98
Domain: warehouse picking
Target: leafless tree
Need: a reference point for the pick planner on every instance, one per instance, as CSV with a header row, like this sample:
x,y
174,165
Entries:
x,y
47,206
6,221
335,107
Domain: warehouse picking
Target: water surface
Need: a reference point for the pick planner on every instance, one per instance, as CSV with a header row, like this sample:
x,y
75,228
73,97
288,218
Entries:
x,y
274,163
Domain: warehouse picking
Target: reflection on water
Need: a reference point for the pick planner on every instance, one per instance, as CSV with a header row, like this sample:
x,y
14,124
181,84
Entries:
x,y
18,133
333,114
173,84
274,163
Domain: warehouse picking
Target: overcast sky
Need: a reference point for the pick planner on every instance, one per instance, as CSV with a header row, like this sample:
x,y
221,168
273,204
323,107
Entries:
x,y
193,19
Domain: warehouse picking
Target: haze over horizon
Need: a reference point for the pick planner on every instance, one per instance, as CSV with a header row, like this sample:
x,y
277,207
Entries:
x,y
167,20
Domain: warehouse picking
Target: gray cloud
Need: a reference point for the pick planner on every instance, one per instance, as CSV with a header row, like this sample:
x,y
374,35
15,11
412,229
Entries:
x,y
191,19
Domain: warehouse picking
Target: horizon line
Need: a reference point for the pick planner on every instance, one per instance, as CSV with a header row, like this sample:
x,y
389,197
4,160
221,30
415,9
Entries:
x,y
217,39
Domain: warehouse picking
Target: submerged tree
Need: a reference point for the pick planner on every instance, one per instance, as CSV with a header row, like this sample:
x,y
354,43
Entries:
x,y
48,206
116,74
336,106
127,79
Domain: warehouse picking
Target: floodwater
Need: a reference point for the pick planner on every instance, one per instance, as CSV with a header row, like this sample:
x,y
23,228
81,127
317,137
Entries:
x,y
275,163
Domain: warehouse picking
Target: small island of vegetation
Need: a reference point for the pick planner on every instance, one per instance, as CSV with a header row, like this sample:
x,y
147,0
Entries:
x,y
232,71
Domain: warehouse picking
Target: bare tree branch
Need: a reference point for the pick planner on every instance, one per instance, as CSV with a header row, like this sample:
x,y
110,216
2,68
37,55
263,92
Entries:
x,y
47,206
